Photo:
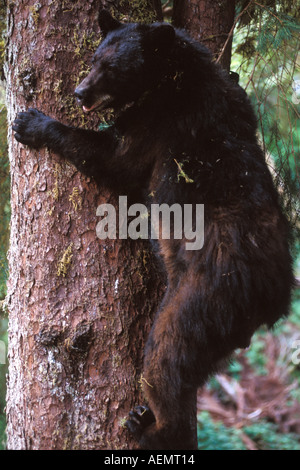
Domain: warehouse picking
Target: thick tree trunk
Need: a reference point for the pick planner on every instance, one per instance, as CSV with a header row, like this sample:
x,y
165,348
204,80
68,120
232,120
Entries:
x,y
80,309
208,21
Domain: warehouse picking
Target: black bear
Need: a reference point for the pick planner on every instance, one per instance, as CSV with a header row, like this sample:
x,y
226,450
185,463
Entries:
x,y
184,133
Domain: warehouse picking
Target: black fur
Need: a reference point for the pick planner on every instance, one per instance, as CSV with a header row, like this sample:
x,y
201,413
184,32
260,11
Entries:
x,y
175,105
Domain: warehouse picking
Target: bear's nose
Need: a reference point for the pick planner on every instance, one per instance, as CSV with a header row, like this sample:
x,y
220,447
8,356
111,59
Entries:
x,y
80,93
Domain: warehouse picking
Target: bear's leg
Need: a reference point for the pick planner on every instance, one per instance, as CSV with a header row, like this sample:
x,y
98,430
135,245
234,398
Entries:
x,y
165,428
175,427
186,346
172,373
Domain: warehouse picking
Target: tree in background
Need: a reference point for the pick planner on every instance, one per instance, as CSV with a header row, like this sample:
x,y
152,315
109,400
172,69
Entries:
x,y
210,22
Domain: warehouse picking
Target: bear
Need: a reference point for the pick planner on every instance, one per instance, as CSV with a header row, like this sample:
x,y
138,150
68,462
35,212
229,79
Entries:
x,y
184,133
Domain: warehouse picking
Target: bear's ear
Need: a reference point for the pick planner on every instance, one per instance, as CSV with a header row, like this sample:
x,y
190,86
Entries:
x,y
161,36
107,23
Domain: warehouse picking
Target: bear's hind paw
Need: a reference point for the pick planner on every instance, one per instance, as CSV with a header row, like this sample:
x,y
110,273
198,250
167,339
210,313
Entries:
x,y
139,419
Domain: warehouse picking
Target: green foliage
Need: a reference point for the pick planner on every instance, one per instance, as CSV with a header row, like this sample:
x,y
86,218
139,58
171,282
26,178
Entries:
x,y
296,308
2,432
265,55
234,369
275,31
256,356
213,435
266,437
252,9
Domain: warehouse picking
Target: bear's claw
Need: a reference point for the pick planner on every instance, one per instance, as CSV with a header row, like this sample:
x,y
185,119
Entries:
x,y
29,128
139,419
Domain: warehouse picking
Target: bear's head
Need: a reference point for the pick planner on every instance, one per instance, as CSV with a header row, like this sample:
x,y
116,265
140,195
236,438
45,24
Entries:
x,y
130,60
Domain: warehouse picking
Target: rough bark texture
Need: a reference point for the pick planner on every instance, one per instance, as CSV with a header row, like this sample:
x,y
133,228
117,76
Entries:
x,y
208,21
80,309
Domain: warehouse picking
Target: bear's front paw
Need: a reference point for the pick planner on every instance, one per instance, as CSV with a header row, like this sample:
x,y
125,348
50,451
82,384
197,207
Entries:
x,y
139,419
31,127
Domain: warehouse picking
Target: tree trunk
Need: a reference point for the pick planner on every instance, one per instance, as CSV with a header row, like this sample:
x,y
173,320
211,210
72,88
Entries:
x,y
79,308
208,21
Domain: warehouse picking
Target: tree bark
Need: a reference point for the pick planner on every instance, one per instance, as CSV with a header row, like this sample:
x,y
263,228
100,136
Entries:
x,y
79,308
158,8
208,21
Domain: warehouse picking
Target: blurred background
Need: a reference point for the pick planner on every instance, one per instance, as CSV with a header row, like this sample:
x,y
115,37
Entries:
x,y
255,404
